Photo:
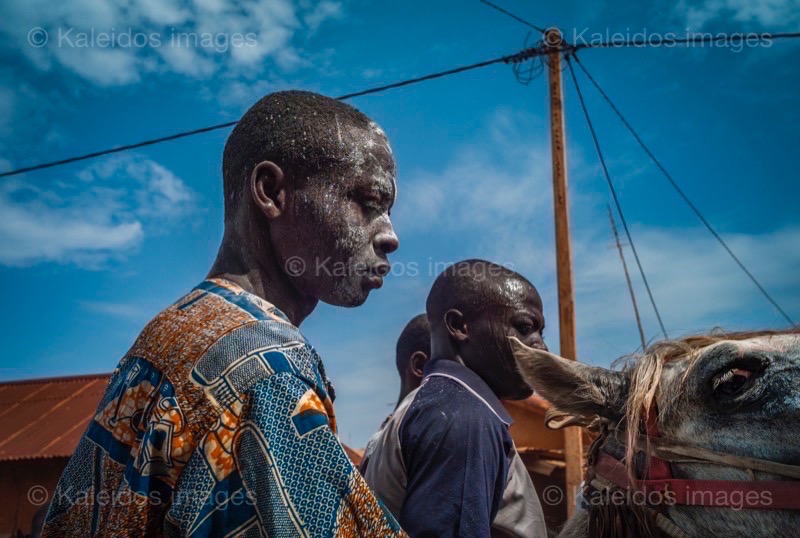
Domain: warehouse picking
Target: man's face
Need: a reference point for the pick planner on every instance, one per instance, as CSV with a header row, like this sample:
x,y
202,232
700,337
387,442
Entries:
x,y
518,314
335,241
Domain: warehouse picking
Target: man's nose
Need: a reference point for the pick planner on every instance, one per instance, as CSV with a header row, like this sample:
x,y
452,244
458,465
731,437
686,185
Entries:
x,y
386,240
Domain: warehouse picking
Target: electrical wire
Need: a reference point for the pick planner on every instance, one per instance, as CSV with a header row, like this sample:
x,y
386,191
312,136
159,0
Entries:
x,y
527,72
513,59
614,196
518,19
524,75
682,194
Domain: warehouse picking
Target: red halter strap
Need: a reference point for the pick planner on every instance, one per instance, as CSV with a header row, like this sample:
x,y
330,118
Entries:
x,y
660,488
657,469
740,494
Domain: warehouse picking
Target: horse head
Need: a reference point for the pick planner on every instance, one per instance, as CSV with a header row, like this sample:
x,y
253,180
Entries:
x,y
697,435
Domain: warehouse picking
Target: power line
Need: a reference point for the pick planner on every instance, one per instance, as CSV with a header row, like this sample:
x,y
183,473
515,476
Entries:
x,y
627,279
526,72
516,58
525,54
682,194
518,19
519,57
614,195
698,39
119,149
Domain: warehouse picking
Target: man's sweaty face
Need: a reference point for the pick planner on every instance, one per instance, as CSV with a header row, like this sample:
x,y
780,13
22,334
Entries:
x,y
344,233
519,315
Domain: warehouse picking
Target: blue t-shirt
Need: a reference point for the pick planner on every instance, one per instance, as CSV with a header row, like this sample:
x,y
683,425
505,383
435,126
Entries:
x,y
457,453
445,465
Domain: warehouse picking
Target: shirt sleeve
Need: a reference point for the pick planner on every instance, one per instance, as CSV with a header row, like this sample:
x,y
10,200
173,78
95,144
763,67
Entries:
x,y
457,470
296,471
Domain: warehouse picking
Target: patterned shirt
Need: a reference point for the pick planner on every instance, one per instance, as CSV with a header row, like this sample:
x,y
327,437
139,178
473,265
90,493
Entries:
x,y
218,422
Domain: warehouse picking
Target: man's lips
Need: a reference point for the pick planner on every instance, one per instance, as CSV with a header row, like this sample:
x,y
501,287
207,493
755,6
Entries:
x,y
375,281
382,269
376,274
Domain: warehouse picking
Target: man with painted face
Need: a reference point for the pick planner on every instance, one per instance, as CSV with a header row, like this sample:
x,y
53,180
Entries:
x,y
219,421
446,464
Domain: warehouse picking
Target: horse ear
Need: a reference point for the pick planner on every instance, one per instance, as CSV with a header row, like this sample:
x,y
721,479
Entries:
x,y
573,387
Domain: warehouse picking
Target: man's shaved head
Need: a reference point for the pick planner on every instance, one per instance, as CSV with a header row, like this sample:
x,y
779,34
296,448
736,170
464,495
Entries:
x,y
413,351
416,337
470,285
473,307
309,184
299,131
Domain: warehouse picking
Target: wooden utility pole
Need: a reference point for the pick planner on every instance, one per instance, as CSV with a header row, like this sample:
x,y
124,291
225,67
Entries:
x,y
627,278
573,441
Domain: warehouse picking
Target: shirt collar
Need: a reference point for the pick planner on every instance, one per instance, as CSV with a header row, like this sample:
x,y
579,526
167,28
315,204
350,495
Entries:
x,y
471,381
242,298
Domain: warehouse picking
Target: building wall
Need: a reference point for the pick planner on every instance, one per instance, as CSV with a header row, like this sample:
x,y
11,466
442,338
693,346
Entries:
x,y
528,430
24,481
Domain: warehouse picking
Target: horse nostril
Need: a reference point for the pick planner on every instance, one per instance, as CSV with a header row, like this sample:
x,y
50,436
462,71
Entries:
x,y
541,346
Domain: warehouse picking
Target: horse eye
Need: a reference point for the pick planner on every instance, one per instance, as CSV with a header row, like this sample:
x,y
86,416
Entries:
x,y
731,381
525,329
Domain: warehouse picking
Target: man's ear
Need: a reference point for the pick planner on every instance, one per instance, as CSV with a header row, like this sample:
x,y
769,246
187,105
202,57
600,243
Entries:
x,y
573,387
417,363
456,324
268,187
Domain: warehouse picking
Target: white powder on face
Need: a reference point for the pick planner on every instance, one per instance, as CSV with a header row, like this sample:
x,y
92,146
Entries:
x,y
338,128
340,234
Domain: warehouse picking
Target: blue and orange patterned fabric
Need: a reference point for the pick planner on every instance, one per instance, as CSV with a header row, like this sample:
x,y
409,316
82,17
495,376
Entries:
x,y
218,422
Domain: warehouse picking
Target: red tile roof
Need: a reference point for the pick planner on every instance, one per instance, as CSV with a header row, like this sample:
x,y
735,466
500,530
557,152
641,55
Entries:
x,y
45,418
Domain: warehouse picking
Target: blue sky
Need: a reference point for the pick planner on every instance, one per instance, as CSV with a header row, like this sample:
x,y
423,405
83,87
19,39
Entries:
x,y
89,252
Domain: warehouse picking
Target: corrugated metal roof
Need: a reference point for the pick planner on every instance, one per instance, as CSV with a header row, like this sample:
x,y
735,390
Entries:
x,y
355,454
45,418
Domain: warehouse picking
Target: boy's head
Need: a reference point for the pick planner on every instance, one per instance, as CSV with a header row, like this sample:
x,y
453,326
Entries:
x,y
413,351
474,306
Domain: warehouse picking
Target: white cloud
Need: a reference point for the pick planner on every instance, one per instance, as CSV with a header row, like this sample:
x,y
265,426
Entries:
x,y
496,190
7,105
765,13
118,310
325,10
163,12
106,67
498,193
695,284
101,216
117,42
244,94
487,183
371,73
